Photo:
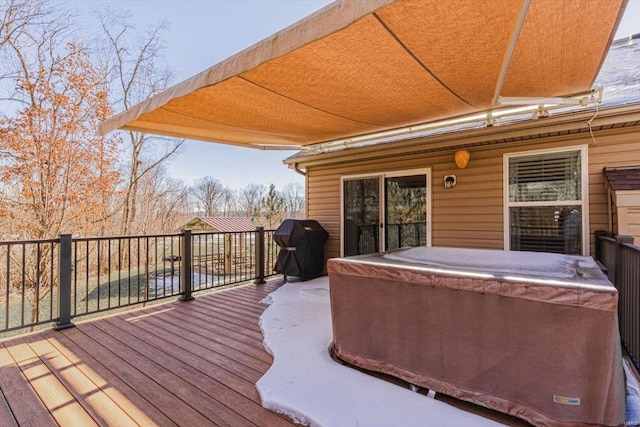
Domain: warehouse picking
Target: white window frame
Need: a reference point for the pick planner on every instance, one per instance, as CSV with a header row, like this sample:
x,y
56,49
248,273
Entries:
x,y
584,203
381,207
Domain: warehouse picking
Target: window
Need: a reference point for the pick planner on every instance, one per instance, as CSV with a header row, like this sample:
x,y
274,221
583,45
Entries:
x,y
545,201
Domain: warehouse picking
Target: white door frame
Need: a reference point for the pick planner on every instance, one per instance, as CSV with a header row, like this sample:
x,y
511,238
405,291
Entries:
x,y
381,200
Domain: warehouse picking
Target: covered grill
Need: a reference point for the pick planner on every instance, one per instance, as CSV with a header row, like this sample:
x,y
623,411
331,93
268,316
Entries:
x,y
302,248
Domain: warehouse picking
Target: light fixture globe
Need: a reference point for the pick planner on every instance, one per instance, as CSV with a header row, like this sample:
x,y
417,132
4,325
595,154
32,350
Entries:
x,y
462,158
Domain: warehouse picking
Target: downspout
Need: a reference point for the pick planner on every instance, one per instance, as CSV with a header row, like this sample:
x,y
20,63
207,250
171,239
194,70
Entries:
x,y
610,196
295,168
610,210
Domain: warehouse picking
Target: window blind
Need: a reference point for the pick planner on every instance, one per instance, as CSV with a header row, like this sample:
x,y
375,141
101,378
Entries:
x,y
543,213
545,177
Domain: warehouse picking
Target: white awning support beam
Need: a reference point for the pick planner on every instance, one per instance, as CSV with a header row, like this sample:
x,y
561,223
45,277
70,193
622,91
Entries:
x,y
509,52
538,107
583,99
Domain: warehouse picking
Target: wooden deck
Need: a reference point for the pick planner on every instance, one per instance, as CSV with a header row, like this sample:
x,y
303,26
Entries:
x,y
184,363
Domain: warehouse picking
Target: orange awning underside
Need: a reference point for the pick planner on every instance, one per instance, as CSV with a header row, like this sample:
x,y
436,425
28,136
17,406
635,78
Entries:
x,y
359,67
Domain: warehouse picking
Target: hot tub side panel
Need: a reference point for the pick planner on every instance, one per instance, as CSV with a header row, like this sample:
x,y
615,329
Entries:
x,y
532,359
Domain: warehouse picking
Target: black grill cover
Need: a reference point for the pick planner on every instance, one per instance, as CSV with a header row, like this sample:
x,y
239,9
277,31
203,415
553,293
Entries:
x,y
302,248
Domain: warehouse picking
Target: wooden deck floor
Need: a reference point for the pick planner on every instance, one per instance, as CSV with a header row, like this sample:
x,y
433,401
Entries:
x,y
189,363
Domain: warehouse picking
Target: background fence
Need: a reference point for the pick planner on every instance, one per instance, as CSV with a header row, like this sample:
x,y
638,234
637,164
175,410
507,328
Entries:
x,y
55,280
621,261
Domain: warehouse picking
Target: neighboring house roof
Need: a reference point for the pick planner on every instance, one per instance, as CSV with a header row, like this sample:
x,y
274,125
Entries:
x,y
623,178
360,67
222,224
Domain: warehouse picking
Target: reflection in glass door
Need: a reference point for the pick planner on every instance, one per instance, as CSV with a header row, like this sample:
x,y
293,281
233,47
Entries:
x,y
361,216
384,212
405,211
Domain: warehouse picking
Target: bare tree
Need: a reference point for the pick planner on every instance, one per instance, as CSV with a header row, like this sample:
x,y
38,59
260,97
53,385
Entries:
x,y
228,202
164,202
272,207
250,198
293,197
136,72
207,193
20,19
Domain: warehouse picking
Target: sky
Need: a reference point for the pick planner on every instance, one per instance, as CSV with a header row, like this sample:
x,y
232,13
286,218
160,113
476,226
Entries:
x,y
205,32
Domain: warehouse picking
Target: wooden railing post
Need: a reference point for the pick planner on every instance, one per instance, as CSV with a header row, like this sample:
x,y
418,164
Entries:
x,y
260,256
186,278
620,240
64,284
597,235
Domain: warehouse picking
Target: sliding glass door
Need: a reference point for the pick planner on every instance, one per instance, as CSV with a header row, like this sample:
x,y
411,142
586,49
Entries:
x,y
361,216
385,211
405,211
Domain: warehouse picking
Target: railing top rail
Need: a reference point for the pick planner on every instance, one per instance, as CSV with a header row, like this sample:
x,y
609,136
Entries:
x,y
138,236
102,238
607,238
208,233
222,233
631,247
27,242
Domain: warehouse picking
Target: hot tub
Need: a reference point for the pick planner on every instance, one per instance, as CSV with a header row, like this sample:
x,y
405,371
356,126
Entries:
x,y
534,335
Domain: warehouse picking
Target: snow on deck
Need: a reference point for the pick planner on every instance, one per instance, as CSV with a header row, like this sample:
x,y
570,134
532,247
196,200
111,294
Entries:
x,y
305,383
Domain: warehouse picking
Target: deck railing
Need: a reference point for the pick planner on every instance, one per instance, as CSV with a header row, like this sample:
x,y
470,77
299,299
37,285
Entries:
x,y
621,261
397,235
56,280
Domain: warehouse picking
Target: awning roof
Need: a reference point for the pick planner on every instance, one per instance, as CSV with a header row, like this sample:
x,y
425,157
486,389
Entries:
x,y
359,67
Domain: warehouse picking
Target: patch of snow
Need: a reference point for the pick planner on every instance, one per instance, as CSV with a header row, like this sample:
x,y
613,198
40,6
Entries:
x,y
306,384
492,261
633,396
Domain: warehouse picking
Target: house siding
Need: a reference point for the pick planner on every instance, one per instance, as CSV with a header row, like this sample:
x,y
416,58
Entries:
x,y
471,214
633,224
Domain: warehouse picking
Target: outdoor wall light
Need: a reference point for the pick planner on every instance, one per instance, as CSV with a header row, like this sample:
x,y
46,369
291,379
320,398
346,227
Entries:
x,y
462,158
449,181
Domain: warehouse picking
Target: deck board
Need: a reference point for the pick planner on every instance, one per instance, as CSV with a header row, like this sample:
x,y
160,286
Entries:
x,y
186,383
181,363
211,336
201,343
5,412
187,355
136,406
25,406
98,405
62,405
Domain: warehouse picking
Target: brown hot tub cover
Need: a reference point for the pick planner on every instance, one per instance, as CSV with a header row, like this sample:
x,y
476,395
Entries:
x,y
529,334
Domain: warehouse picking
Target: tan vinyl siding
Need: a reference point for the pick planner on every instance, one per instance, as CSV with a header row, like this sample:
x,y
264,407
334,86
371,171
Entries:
x,y
470,214
618,148
633,223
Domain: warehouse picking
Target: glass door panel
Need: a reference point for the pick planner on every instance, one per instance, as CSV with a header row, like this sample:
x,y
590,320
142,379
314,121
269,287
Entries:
x,y
361,216
405,211
385,212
